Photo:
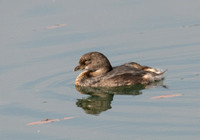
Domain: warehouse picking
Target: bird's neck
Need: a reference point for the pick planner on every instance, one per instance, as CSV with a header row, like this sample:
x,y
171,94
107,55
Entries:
x,y
98,72
89,74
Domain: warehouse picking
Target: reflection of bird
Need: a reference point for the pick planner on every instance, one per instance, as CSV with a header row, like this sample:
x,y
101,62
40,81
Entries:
x,y
99,72
95,104
101,97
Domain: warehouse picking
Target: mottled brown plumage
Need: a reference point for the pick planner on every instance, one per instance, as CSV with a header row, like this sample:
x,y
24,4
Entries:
x,y
99,72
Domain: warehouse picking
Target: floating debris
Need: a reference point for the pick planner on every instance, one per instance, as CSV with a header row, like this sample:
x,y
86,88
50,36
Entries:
x,y
49,121
166,96
56,26
190,26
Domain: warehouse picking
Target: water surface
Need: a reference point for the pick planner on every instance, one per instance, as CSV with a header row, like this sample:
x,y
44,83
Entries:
x,y
38,56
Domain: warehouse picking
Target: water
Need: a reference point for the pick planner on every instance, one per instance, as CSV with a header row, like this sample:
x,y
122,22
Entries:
x,y
41,42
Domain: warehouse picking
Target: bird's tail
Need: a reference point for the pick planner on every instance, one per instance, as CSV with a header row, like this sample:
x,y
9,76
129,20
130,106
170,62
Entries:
x,y
159,74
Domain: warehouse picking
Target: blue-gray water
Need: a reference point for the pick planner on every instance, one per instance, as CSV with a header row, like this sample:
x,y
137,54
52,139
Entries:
x,y
37,62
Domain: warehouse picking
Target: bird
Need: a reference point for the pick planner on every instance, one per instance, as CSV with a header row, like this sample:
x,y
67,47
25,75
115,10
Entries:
x,y
98,72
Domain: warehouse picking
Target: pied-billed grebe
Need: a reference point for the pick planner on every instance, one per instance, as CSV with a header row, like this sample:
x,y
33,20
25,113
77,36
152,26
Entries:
x,y
99,72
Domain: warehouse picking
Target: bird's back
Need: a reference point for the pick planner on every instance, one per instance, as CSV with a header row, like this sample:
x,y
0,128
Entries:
x,y
125,75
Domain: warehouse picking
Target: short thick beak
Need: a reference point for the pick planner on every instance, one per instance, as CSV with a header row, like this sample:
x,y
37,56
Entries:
x,y
77,68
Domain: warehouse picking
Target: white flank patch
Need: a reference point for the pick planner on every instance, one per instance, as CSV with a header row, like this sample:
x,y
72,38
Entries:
x,y
148,77
152,70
